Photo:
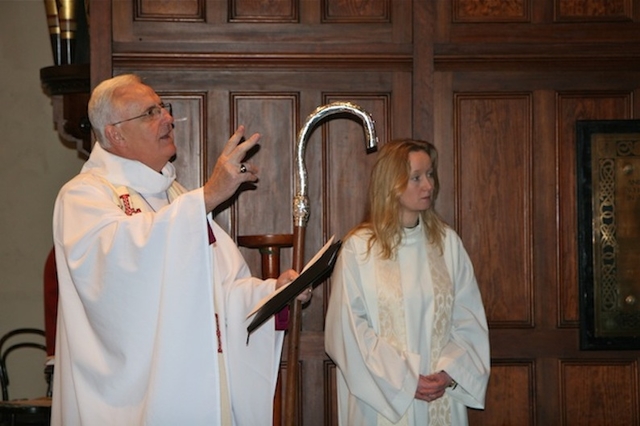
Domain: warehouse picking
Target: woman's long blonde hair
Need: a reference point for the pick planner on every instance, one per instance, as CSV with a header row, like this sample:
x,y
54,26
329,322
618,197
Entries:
x,y
389,179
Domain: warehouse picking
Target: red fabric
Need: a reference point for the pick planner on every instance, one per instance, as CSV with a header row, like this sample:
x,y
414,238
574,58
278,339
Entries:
x,y
212,238
50,302
282,319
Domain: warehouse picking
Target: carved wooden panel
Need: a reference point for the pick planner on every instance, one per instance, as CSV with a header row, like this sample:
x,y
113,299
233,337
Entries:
x,y
493,184
158,11
304,27
512,381
514,29
491,11
356,11
608,397
263,11
570,108
593,10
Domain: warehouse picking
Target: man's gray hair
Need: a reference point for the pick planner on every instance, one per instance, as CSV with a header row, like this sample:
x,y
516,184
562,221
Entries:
x,y
102,104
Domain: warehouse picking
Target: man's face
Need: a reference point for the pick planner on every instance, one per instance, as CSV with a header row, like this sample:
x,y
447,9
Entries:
x,y
148,138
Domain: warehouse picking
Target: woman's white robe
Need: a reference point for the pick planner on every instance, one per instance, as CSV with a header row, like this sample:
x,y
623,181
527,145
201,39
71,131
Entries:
x,y
373,377
137,341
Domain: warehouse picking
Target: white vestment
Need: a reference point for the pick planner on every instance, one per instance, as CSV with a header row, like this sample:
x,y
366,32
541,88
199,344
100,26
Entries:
x,y
137,342
376,381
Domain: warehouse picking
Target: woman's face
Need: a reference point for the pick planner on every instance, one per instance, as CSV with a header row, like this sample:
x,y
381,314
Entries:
x,y
416,197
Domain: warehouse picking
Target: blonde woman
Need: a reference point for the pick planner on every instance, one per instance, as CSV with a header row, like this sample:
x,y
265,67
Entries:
x,y
406,325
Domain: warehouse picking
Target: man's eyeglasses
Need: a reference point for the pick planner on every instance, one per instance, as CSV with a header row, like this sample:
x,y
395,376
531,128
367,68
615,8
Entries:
x,y
152,113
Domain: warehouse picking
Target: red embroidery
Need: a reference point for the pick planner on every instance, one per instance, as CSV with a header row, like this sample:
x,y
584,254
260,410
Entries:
x,y
212,238
126,203
218,334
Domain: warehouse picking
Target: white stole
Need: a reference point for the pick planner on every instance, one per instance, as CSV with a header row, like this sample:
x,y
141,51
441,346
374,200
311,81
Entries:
x,y
440,409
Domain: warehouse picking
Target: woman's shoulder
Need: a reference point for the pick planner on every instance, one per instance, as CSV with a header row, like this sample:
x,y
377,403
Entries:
x,y
356,241
453,244
358,235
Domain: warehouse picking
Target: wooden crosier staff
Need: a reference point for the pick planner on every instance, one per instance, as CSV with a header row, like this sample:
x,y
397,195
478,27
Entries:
x,y
300,219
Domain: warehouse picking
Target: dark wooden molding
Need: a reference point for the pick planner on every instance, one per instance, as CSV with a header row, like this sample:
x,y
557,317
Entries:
x,y
542,57
146,60
65,79
69,89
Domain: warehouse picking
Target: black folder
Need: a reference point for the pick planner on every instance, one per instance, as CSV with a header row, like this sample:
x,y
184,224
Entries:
x,y
311,275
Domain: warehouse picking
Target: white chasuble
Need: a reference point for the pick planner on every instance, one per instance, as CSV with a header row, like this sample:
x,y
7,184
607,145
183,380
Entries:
x,y
137,341
390,321
129,199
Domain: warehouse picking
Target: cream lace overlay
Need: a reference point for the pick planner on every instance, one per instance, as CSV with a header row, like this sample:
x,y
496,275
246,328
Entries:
x,y
391,314
440,409
392,322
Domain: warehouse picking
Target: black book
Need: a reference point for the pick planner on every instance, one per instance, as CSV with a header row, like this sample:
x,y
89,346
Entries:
x,y
317,269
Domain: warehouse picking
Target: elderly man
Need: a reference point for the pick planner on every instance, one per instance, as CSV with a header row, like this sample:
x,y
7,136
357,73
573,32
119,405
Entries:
x,y
153,293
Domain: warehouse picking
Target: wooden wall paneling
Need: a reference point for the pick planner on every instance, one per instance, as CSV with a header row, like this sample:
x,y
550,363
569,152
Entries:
x,y
573,106
423,85
545,33
593,11
513,381
544,200
267,209
608,397
493,186
555,332
252,11
341,11
264,27
555,335
100,35
443,139
330,394
491,11
183,10
190,128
